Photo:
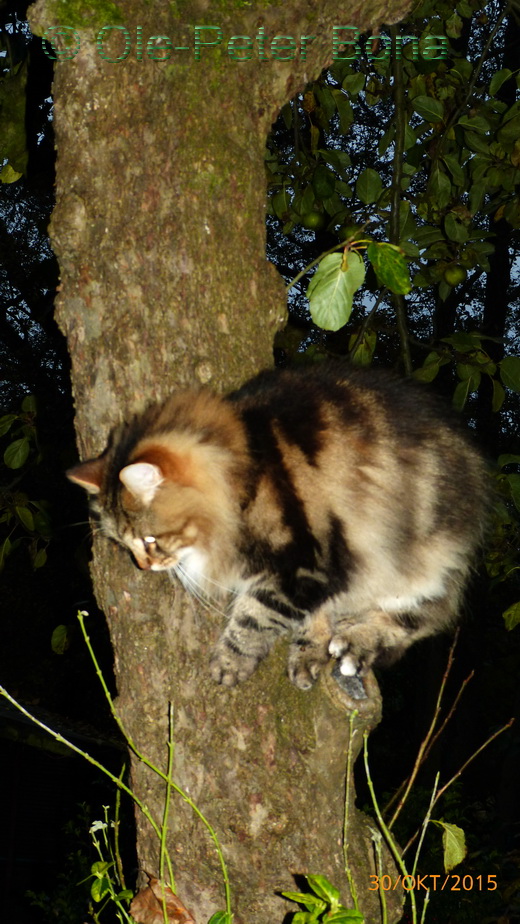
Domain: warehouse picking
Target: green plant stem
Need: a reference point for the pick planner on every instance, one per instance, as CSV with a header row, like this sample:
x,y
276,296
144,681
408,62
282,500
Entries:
x,y
119,864
425,905
351,882
394,850
425,824
91,760
164,776
376,840
163,854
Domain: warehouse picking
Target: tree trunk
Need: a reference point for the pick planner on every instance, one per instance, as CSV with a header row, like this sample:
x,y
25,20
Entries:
x,y
160,234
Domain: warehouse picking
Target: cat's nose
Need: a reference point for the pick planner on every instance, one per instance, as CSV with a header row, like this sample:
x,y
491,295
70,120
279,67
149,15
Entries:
x,y
143,563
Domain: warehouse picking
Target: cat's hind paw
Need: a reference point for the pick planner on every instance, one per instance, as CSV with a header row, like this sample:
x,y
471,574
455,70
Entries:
x,y
305,663
229,666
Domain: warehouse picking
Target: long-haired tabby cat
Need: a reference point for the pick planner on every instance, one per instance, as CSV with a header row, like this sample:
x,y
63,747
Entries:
x,y
338,504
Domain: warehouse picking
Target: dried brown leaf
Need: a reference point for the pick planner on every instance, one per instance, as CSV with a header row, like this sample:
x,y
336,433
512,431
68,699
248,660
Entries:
x,y
147,906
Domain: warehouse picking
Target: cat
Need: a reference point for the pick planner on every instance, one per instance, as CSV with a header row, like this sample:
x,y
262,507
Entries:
x,y
342,505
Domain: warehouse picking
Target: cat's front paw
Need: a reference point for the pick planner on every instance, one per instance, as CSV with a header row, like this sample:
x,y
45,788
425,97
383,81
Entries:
x,y
305,663
229,666
353,651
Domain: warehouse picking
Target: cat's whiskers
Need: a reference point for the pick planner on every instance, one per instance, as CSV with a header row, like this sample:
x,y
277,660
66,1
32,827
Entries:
x,y
178,573
221,587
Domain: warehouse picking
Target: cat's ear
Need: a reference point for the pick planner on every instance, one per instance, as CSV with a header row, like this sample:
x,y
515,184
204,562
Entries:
x,y
88,474
142,480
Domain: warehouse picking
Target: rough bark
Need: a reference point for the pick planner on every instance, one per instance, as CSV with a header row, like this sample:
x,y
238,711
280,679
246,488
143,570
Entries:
x,y
159,230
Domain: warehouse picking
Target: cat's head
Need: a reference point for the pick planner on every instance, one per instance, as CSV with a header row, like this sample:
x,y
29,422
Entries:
x,y
170,483
169,504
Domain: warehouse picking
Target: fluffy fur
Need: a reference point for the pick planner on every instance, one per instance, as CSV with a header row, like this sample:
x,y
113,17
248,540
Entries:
x,y
342,506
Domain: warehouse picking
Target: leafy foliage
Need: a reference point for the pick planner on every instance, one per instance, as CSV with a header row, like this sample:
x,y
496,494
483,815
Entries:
x,y
415,160
322,903
23,521
422,151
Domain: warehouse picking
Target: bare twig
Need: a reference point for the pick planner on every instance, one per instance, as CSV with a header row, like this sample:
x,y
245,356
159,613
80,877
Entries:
x,y
426,743
440,792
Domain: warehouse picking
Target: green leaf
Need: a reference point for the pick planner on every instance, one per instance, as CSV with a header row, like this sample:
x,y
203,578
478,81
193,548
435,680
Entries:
x,y
439,187
511,616
429,369
345,112
390,267
25,516
8,175
498,395
326,101
410,249
365,349
428,235
455,229
498,79
99,888
386,140
508,458
476,196
510,372
430,109
310,901
340,160
455,169
220,917
465,9
369,186
477,143
410,138
323,888
463,391
454,26
323,182
12,106
29,404
280,203
514,488
331,289
60,640
464,341
354,83
16,453
5,549
345,916
40,558
454,844
509,132
6,423
475,124
126,895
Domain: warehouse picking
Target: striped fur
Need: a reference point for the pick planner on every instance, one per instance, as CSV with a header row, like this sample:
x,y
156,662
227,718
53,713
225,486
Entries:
x,y
341,506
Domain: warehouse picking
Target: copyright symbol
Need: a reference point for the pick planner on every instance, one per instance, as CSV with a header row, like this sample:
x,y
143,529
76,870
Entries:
x,y
64,36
